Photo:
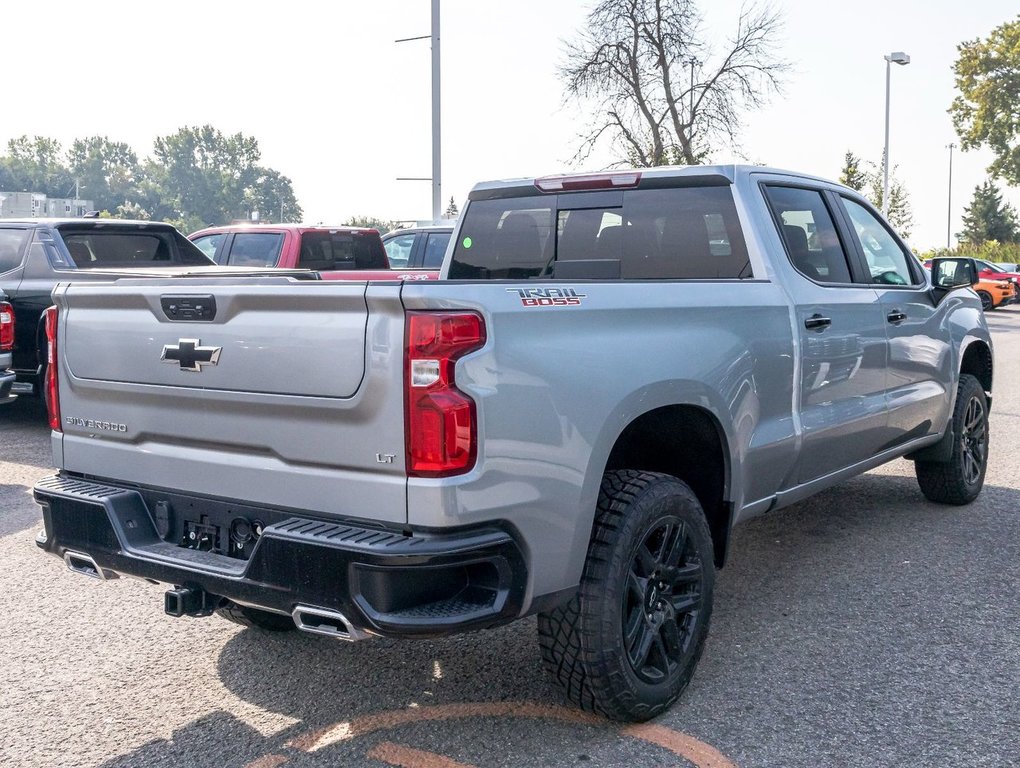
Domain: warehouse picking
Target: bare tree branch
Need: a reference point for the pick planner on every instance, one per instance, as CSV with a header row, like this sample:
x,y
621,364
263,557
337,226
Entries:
x,y
626,67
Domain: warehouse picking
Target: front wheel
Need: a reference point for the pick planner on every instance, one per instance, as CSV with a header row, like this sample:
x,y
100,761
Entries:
x,y
627,644
959,480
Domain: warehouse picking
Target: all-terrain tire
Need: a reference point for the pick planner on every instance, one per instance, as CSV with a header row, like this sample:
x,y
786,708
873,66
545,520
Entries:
x,y
253,617
627,644
959,480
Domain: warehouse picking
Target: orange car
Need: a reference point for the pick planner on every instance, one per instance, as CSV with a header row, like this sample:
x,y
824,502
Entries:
x,y
994,293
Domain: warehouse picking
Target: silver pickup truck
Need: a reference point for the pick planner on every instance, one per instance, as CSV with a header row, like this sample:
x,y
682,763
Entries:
x,y
613,371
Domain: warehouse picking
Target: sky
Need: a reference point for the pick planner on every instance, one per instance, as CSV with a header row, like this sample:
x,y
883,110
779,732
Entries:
x,y
342,110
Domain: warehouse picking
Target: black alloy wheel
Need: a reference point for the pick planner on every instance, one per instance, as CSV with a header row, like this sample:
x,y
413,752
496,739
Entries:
x,y
662,600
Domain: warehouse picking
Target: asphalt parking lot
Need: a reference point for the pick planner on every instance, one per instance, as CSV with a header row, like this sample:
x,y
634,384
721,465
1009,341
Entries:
x,y
863,627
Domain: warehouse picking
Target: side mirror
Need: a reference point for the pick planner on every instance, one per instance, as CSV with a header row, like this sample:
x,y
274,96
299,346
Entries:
x,y
947,274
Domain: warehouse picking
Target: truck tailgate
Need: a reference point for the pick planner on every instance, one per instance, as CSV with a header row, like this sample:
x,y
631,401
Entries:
x,y
274,396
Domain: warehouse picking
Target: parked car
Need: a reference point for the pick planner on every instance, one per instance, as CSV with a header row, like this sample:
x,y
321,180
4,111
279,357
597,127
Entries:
x,y
7,375
995,293
418,247
36,254
336,253
614,371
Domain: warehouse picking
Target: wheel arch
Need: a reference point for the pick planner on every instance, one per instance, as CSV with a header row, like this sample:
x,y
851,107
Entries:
x,y
977,360
685,437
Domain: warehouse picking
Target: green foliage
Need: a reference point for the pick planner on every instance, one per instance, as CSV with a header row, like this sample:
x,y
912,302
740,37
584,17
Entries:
x,y
989,218
373,223
34,165
990,250
195,177
106,172
985,110
852,175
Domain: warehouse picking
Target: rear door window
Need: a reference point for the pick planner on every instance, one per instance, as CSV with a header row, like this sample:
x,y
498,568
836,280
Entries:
x,y
12,246
660,234
809,233
255,249
435,249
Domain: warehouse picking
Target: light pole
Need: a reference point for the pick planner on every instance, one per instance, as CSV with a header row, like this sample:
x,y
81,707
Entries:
x,y
436,178
949,215
898,57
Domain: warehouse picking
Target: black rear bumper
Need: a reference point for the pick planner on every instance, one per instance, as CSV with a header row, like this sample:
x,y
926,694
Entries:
x,y
384,581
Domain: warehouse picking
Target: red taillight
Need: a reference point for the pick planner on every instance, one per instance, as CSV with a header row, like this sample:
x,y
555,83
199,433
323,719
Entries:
x,y
587,182
52,396
440,422
6,327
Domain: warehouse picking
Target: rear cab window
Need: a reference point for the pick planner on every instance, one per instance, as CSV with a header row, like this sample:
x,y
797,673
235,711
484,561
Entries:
x,y
113,246
641,234
330,251
435,249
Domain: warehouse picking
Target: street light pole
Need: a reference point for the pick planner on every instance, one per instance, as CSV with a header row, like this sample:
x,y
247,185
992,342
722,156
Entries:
x,y
949,215
437,194
436,179
899,57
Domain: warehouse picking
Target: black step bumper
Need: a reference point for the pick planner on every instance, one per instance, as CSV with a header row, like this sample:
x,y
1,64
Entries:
x,y
386,582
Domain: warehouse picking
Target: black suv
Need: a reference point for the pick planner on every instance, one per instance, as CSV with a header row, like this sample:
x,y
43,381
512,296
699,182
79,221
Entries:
x,y
36,254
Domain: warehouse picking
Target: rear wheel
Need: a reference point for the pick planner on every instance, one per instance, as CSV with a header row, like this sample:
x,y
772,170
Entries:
x,y
959,480
253,617
626,646
986,301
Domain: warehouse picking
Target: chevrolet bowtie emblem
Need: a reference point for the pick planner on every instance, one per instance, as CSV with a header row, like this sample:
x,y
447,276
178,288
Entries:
x,y
191,355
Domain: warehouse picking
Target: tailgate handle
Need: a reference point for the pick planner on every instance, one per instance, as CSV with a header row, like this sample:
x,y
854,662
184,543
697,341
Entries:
x,y
189,308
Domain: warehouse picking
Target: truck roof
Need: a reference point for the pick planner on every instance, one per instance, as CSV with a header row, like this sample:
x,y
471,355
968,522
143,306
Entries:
x,y
711,175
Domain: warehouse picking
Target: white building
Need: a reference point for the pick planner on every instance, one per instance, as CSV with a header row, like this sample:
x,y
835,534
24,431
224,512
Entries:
x,y
32,205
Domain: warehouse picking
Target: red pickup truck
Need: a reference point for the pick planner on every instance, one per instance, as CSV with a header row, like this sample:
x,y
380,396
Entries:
x,y
336,253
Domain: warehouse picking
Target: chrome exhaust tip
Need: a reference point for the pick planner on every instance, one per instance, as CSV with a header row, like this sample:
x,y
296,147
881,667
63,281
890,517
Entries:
x,y
323,621
81,563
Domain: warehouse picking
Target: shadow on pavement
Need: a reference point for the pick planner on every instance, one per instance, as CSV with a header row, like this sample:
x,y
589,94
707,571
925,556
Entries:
x,y
823,605
17,510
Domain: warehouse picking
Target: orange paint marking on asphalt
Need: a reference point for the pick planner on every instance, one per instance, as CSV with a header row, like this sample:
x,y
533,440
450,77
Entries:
x,y
405,757
267,761
688,747
360,726
680,744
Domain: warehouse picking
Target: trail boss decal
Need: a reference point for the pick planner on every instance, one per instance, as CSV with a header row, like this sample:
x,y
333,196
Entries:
x,y
548,297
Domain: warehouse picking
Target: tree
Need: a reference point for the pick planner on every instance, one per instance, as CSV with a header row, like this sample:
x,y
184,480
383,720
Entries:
x,y
207,177
35,166
107,172
900,214
989,218
451,210
372,223
657,91
985,110
852,175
